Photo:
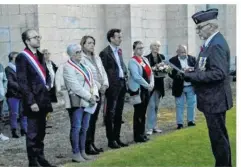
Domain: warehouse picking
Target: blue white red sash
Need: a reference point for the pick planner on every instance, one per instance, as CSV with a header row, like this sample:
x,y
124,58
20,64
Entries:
x,y
35,64
88,78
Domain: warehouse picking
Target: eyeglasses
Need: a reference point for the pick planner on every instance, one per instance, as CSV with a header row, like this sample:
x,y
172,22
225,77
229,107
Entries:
x,y
36,37
78,52
140,48
201,27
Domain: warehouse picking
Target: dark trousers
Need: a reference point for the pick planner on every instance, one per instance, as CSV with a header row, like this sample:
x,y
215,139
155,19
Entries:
x,y
219,139
114,111
92,124
35,136
139,118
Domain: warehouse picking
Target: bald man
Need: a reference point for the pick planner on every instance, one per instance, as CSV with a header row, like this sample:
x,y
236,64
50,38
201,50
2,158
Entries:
x,y
182,89
151,121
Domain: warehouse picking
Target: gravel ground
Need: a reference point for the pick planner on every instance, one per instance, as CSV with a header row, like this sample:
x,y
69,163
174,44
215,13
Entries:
x,y
57,145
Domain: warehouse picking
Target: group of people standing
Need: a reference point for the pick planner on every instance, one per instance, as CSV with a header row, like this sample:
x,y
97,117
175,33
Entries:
x,y
86,79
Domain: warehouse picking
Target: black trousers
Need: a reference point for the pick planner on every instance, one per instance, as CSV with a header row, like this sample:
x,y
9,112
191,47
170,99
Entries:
x,y
219,138
90,138
35,136
139,118
114,110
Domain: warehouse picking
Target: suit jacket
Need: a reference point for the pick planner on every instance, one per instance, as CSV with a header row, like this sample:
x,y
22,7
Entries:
x,y
112,70
14,90
31,85
76,84
159,82
178,84
211,77
136,75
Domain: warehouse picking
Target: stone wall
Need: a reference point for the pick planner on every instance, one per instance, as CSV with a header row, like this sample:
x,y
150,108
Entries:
x,y
61,25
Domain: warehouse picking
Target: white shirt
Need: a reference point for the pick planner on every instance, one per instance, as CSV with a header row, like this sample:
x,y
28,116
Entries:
x,y
117,58
209,39
184,64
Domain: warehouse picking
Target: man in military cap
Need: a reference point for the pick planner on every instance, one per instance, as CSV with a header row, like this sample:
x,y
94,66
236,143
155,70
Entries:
x,y
211,81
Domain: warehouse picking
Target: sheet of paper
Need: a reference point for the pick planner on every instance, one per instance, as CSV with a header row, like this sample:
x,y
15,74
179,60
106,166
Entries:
x,y
91,109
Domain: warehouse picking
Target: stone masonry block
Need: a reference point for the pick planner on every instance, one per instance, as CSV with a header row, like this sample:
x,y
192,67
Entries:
x,y
49,33
28,9
15,34
4,35
4,21
17,21
47,20
47,9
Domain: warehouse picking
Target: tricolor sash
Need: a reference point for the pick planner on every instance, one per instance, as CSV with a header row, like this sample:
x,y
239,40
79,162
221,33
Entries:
x,y
88,76
33,60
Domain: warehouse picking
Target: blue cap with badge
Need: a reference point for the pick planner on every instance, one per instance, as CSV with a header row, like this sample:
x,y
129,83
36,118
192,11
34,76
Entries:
x,y
203,16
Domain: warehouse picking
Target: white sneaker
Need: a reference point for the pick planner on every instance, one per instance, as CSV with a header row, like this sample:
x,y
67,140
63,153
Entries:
x,y
157,130
149,132
3,138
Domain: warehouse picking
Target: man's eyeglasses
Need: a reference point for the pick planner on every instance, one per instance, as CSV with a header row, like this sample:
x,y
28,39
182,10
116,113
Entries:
x,y
201,27
36,37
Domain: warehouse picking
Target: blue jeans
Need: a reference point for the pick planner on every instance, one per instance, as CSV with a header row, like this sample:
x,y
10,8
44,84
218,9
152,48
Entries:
x,y
79,121
191,103
152,110
16,110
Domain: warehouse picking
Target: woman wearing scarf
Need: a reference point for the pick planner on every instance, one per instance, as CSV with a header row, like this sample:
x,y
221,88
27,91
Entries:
x,y
95,64
14,98
83,95
141,83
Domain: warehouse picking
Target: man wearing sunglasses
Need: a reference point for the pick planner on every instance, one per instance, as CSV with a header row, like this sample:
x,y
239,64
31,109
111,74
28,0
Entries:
x,y
211,81
34,82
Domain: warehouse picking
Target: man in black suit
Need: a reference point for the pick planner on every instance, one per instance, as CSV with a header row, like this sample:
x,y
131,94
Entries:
x,y
182,89
212,85
34,82
116,71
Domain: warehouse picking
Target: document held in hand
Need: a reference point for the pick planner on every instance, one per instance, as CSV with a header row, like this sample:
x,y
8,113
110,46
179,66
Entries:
x,y
91,109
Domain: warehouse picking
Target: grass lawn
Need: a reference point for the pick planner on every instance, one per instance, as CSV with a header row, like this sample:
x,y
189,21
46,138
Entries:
x,y
189,147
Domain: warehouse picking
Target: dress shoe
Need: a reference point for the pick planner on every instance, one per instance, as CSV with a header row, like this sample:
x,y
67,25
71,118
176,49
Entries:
x,y
90,150
23,133
43,162
97,149
141,140
113,144
120,143
179,126
14,133
190,123
33,162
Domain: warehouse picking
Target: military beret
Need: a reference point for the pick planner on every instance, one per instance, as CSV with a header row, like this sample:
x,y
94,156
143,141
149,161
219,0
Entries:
x,y
203,16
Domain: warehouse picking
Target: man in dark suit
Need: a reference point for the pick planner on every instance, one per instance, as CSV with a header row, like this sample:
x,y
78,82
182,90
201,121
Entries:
x,y
211,80
182,89
34,82
116,71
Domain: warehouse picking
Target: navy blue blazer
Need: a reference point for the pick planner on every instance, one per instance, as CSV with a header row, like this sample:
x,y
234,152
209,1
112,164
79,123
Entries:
x,y
211,77
31,85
